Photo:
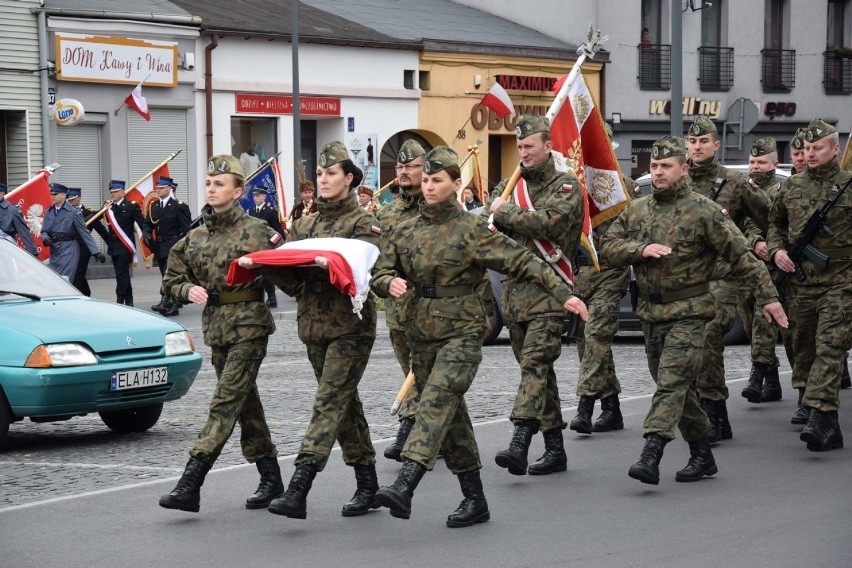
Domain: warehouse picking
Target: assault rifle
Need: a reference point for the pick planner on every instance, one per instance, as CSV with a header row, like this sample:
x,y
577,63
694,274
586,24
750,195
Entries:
x,y
803,248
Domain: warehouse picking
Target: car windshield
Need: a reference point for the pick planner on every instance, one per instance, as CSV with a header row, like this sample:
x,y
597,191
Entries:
x,y
21,272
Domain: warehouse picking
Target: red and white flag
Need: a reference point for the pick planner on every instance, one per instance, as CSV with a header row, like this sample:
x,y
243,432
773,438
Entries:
x,y
497,99
144,195
33,199
137,102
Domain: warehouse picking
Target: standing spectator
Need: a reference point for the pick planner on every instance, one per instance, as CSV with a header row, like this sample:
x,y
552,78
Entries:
x,y
121,216
469,199
167,222
74,198
267,212
61,229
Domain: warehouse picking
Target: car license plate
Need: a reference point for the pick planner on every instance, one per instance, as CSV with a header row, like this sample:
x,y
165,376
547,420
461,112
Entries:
x,y
139,378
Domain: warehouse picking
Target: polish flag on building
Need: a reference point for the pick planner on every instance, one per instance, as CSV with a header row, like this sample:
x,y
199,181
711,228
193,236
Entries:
x,y
137,102
497,99
33,199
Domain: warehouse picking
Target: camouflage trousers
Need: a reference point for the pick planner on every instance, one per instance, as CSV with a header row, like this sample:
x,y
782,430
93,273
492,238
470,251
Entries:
x,y
597,376
711,379
675,352
402,349
821,321
537,345
445,370
338,414
762,334
235,399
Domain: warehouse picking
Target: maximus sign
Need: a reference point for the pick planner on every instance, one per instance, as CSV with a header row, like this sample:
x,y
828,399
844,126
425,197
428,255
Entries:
x,y
94,59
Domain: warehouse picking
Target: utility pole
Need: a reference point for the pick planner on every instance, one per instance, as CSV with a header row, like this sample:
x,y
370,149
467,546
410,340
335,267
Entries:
x,y
297,120
676,108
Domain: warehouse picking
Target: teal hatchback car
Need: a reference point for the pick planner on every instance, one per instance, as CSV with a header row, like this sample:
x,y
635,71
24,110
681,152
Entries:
x,y
64,355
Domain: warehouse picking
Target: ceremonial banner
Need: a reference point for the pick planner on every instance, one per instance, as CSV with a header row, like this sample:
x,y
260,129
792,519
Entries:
x,y
33,199
471,174
846,158
267,177
144,195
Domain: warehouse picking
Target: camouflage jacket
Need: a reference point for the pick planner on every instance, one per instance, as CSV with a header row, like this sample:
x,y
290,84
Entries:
x,y
450,247
558,217
324,312
390,216
698,231
799,197
203,257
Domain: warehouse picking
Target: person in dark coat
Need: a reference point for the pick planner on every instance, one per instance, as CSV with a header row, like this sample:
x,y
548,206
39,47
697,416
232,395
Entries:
x,y
121,216
266,211
75,195
61,229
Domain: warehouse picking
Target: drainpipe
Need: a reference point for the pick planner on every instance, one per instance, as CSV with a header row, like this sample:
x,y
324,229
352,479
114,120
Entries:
x,y
208,91
47,142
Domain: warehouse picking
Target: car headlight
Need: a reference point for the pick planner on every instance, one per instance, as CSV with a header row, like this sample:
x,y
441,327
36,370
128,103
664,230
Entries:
x,y
61,355
179,343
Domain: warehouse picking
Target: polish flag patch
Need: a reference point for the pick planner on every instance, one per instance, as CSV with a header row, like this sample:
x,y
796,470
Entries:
x,y
376,229
724,212
567,187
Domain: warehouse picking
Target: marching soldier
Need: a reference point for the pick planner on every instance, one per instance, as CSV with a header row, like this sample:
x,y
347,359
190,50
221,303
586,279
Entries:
x,y
819,304
749,209
121,216
797,152
61,229
74,198
12,222
267,212
167,222
546,214
673,239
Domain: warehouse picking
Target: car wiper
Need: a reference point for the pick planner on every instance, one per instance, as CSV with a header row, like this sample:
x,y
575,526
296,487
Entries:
x,y
24,294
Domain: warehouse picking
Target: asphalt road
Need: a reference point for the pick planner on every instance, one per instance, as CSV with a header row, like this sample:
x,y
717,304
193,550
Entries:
x,y
73,493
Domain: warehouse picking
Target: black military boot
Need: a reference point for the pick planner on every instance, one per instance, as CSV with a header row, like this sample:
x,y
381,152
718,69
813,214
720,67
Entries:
x,y
515,458
722,416
582,423
397,497
161,307
802,414
822,432
715,432
170,310
293,503
186,496
272,302
128,301
647,469
271,485
554,458
845,380
365,493
771,386
610,418
701,462
394,451
473,508
753,391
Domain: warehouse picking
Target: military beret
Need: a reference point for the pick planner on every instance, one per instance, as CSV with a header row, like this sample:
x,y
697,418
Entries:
x,y
225,164
668,147
58,188
702,125
3,187
410,150
439,159
332,153
530,124
259,191
798,141
115,184
817,129
763,146
74,192
164,180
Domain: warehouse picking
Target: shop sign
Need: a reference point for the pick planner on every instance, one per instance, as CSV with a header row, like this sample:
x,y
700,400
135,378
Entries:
x,y
526,83
482,117
96,59
253,103
67,112
779,109
692,106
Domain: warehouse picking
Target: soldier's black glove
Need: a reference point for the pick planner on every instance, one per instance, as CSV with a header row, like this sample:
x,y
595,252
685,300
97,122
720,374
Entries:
x,y
46,241
100,257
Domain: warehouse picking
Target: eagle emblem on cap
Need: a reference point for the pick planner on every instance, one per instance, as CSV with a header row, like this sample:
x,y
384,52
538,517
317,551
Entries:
x,y
519,131
401,157
754,151
695,129
211,166
322,160
224,167
427,167
655,152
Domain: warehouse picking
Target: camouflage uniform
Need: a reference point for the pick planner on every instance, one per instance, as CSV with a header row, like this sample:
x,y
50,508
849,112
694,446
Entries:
x,y
237,332
820,305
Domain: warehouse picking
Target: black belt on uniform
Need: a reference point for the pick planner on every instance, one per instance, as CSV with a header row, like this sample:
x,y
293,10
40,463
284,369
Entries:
x,y
61,237
161,238
220,298
675,295
436,291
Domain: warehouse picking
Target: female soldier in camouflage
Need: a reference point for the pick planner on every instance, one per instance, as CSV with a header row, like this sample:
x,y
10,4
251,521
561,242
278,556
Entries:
x,y
338,342
443,260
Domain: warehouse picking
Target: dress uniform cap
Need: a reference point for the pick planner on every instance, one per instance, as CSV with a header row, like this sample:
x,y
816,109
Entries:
x,y
701,126
259,191
439,159
58,188
164,180
3,188
668,147
530,124
332,153
410,150
74,192
115,184
763,146
798,141
817,129
225,164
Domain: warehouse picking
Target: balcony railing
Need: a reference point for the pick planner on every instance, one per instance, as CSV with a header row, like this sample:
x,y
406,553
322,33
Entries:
x,y
837,72
716,68
655,67
778,70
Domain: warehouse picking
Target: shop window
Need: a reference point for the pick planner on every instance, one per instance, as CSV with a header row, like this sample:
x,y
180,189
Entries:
x,y
253,140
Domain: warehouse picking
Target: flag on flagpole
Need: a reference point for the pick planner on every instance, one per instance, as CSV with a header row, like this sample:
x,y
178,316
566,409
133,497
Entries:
x,y
471,174
137,102
268,177
33,199
498,100
144,195
846,159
